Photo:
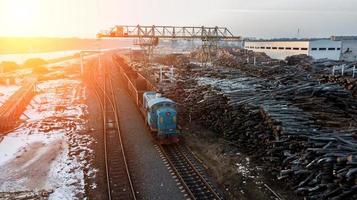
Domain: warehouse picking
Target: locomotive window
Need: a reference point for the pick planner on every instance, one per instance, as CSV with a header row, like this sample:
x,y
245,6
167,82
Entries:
x,y
167,105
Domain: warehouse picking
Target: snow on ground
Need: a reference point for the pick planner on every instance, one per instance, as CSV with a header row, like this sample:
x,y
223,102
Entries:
x,y
49,151
6,91
248,170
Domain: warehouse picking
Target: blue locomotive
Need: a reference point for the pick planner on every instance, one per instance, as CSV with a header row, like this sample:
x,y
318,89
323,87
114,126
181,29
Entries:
x,y
161,116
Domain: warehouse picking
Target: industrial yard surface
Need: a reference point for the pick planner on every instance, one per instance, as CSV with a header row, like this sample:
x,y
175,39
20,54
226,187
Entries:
x,y
178,100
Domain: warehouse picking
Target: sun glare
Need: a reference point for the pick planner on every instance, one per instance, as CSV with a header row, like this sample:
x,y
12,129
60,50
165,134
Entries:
x,y
20,16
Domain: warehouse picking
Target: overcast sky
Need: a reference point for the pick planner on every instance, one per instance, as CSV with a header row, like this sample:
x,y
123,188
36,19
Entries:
x,y
259,18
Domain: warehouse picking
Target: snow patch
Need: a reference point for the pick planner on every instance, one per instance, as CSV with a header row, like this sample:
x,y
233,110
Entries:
x,y
7,91
51,136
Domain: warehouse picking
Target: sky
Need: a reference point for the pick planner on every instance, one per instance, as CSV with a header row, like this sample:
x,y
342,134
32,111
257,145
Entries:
x,y
247,18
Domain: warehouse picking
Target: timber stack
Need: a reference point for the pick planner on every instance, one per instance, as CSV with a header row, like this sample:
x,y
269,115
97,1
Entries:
x,y
302,128
350,83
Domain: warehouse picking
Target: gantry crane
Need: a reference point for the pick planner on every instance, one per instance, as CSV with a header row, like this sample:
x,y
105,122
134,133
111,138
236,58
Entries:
x,y
148,36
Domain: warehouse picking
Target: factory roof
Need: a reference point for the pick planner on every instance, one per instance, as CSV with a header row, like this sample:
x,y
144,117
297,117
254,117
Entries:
x,y
288,40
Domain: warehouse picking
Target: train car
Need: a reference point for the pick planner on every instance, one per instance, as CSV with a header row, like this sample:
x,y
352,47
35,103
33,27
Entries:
x,y
161,115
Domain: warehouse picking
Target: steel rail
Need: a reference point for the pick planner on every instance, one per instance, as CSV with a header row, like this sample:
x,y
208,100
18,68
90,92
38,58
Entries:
x,y
177,172
190,165
121,140
102,100
198,173
97,91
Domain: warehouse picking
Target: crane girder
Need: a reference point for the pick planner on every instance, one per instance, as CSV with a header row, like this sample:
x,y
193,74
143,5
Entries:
x,y
170,32
148,36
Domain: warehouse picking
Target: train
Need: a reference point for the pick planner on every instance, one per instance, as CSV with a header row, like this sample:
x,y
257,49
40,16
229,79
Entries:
x,y
160,113
161,117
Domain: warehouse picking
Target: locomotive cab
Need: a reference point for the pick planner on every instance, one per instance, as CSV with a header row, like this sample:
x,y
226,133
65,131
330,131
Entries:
x,y
166,117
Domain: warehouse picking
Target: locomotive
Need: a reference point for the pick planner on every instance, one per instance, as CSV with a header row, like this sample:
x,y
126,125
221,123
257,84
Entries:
x,y
161,117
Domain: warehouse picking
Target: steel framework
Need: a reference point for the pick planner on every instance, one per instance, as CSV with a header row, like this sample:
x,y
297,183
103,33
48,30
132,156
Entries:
x,y
148,36
183,32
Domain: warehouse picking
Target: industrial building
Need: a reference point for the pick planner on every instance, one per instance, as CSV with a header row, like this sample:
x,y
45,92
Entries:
x,y
349,47
318,49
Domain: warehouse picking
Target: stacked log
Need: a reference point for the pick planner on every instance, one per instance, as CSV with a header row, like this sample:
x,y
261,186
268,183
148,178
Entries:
x,y
289,134
301,59
234,57
304,131
350,83
288,126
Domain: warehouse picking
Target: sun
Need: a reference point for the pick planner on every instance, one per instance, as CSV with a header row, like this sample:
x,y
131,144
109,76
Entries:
x,y
19,16
21,13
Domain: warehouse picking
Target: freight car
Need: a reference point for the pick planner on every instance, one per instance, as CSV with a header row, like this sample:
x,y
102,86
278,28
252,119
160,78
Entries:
x,y
159,113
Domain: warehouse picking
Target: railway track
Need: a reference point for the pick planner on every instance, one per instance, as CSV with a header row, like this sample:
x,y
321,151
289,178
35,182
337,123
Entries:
x,y
119,182
191,174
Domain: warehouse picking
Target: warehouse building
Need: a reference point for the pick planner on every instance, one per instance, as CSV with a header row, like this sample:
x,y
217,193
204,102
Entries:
x,y
349,47
318,49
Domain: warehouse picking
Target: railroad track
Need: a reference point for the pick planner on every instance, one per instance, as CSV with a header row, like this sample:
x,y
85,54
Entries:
x,y
119,183
191,174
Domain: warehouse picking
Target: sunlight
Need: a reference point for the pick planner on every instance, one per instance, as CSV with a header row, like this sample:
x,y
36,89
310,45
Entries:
x,y
20,16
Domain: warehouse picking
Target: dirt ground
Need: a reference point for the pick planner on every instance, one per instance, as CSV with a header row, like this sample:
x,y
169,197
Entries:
x,y
47,156
238,175
35,163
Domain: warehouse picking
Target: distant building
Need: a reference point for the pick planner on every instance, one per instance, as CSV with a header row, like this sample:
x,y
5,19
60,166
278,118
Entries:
x,y
349,47
317,49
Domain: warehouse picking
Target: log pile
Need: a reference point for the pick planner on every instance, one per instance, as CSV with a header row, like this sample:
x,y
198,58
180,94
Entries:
x,y
233,57
349,83
298,130
301,59
304,131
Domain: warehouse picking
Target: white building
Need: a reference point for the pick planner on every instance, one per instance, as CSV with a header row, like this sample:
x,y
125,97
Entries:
x,y
281,49
349,50
349,47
